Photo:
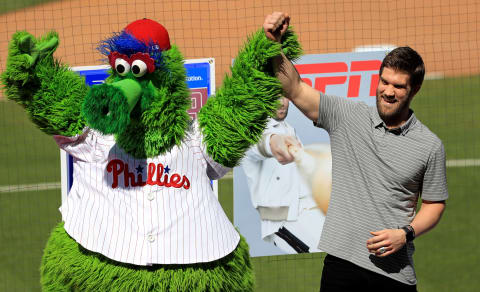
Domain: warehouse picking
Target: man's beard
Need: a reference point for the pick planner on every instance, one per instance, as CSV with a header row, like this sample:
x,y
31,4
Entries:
x,y
392,117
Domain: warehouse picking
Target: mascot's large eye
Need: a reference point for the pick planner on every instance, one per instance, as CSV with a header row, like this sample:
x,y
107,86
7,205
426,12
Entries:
x,y
122,67
139,68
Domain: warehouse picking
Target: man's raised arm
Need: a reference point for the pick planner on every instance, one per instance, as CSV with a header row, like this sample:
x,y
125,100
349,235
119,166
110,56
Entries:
x,y
301,94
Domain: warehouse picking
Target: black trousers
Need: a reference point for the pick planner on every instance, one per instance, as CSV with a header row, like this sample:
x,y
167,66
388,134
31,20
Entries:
x,y
342,276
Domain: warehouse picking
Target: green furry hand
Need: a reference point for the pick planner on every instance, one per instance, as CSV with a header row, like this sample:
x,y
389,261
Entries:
x,y
27,47
51,94
24,44
234,119
25,52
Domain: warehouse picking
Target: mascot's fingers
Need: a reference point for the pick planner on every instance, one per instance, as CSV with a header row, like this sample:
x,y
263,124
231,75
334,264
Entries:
x,y
20,51
26,43
47,45
31,49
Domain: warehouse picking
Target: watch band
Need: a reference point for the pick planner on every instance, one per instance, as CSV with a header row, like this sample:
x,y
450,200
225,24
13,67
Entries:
x,y
410,232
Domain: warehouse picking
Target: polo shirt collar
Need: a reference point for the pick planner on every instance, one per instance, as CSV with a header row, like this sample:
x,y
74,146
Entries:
x,y
403,129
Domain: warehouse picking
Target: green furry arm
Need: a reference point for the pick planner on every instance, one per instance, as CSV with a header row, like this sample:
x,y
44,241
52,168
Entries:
x,y
51,93
236,117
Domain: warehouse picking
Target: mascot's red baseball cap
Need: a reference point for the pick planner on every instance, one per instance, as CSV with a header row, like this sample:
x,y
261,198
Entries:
x,y
147,31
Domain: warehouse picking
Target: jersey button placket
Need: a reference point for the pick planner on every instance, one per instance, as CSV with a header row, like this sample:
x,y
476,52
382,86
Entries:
x,y
150,238
151,196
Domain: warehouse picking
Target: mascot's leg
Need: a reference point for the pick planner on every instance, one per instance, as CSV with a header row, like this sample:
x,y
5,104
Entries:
x,y
66,266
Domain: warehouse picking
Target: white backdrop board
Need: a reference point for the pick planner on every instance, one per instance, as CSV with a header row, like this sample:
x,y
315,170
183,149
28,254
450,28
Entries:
x,y
350,75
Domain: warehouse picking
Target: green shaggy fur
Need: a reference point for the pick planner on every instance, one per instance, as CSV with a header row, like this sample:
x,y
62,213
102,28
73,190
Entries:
x,y
51,94
67,266
235,118
118,103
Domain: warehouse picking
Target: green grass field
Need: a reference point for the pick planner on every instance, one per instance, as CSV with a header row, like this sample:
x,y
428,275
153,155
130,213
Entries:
x,y
10,5
446,258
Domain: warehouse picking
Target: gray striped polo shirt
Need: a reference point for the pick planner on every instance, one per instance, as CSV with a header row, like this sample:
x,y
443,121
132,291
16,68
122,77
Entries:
x,y
378,176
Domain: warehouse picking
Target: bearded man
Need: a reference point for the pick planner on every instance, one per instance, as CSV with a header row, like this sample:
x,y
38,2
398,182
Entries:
x,y
384,159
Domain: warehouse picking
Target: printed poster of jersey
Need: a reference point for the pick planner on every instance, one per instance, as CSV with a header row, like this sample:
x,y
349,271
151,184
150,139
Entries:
x,y
284,218
200,80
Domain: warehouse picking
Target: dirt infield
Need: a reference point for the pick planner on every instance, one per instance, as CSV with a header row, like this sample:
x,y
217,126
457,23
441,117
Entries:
x,y
445,32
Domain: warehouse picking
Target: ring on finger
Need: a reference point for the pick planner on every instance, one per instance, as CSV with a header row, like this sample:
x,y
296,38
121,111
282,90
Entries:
x,y
382,250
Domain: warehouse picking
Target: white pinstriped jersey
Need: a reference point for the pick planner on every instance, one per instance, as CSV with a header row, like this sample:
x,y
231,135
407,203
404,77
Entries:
x,y
159,210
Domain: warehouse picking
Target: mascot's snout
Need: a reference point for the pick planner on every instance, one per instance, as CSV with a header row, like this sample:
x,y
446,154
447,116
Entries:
x,y
107,107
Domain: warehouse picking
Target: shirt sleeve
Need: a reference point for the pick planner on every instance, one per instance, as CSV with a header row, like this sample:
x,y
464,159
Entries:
x,y
259,151
262,149
333,111
435,179
80,146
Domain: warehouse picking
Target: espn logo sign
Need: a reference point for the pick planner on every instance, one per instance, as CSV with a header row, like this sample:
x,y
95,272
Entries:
x,y
337,73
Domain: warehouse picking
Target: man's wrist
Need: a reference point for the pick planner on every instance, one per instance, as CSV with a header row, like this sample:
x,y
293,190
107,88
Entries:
x,y
409,232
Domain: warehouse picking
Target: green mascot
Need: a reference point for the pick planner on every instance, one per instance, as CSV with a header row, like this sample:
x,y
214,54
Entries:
x,y
141,214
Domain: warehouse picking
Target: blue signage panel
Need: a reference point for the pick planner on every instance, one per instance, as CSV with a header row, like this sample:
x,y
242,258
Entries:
x,y
198,75
94,76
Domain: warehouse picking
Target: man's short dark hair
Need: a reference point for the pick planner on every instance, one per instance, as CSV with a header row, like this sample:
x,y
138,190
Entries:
x,y
407,60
